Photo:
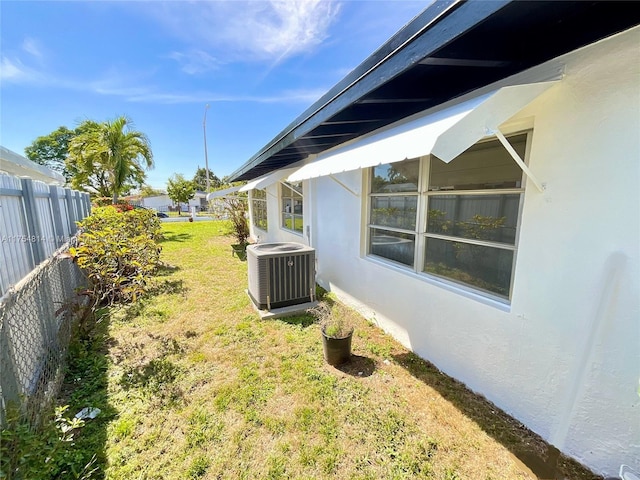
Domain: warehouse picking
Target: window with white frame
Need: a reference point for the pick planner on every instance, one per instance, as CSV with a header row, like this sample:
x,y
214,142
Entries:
x,y
456,221
259,208
291,201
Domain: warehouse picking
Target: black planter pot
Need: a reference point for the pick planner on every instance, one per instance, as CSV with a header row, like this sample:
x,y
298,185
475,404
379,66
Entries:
x,y
240,250
336,350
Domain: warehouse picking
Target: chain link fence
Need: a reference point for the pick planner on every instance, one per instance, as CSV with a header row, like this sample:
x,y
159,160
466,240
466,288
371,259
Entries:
x,y
35,328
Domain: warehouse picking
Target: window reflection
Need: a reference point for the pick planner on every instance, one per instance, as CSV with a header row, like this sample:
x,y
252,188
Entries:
x,y
483,267
396,177
480,217
485,166
396,211
395,246
292,206
259,208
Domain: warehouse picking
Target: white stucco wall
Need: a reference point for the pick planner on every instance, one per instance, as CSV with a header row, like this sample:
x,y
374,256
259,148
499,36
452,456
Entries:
x,y
159,202
564,357
163,202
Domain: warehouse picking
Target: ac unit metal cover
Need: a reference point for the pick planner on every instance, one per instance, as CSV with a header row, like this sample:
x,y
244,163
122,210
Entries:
x,y
281,274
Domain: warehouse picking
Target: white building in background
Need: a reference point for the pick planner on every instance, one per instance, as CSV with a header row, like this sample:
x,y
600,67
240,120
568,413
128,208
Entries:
x,y
485,212
163,203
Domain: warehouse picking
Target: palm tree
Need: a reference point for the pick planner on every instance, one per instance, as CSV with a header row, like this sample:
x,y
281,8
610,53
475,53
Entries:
x,y
109,157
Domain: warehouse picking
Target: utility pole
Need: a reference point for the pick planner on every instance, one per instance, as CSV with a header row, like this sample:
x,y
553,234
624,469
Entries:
x,y
206,159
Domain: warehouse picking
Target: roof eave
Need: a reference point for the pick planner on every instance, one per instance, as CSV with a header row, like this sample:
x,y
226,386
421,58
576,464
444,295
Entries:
x,y
376,70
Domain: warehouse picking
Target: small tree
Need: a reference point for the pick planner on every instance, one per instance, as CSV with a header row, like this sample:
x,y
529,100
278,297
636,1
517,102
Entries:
x,y
109,158
180,190
148,191
200,180
52,150
236,208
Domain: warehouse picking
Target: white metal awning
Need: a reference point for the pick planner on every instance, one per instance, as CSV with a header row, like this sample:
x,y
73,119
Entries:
x,y
445,134
222,193
269,179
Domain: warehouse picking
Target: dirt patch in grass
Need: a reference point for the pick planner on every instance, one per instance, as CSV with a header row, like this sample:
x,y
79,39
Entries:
x,y
199,387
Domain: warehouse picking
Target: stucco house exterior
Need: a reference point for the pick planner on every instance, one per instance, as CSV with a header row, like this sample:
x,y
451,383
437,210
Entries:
x,y
475,191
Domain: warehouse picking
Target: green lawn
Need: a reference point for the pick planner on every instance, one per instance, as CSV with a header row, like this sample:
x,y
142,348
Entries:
x,y
192,384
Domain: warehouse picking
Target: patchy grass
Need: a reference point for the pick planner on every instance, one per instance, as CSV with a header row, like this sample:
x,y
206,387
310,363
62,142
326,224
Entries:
x,y
194,385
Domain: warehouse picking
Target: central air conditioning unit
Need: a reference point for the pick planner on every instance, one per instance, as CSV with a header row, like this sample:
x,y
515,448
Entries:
x,y
281,274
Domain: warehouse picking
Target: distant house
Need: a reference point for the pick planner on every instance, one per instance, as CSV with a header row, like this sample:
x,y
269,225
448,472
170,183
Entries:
x,y
473,188
163,203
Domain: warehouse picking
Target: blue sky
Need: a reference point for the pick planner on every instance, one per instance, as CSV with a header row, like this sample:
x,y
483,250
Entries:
x,y
258,65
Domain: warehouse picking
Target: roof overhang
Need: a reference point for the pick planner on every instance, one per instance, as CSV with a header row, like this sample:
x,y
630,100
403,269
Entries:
x,y
223,193
445,133
451,49
267,180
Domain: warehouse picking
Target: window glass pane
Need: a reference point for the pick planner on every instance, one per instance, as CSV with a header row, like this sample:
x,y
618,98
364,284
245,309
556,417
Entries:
x,y
396,177
394,211
395,246
482,267
259,211
480,217
297,223
287,221
292,203
486,165
292,189
259,194
292,222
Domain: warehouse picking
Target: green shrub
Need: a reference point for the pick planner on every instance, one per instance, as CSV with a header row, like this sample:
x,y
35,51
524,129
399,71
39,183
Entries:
x,y
43,453
118,251
237,209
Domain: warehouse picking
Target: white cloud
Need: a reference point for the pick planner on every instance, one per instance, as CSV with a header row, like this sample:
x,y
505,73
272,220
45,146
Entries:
x,y
305,97
195,61
13,70
136,87
298,96
10,70
31,46
250,30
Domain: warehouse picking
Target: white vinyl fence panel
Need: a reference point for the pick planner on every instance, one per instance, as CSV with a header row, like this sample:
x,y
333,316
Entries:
x,y
35,220
37,289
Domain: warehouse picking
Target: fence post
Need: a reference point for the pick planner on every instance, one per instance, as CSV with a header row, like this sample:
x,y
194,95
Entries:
x,y
33,221
80,206
87,201
8,380
72,213
57,215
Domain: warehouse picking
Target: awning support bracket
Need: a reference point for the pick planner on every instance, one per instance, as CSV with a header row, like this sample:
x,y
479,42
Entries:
x,y
343,186
505,143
